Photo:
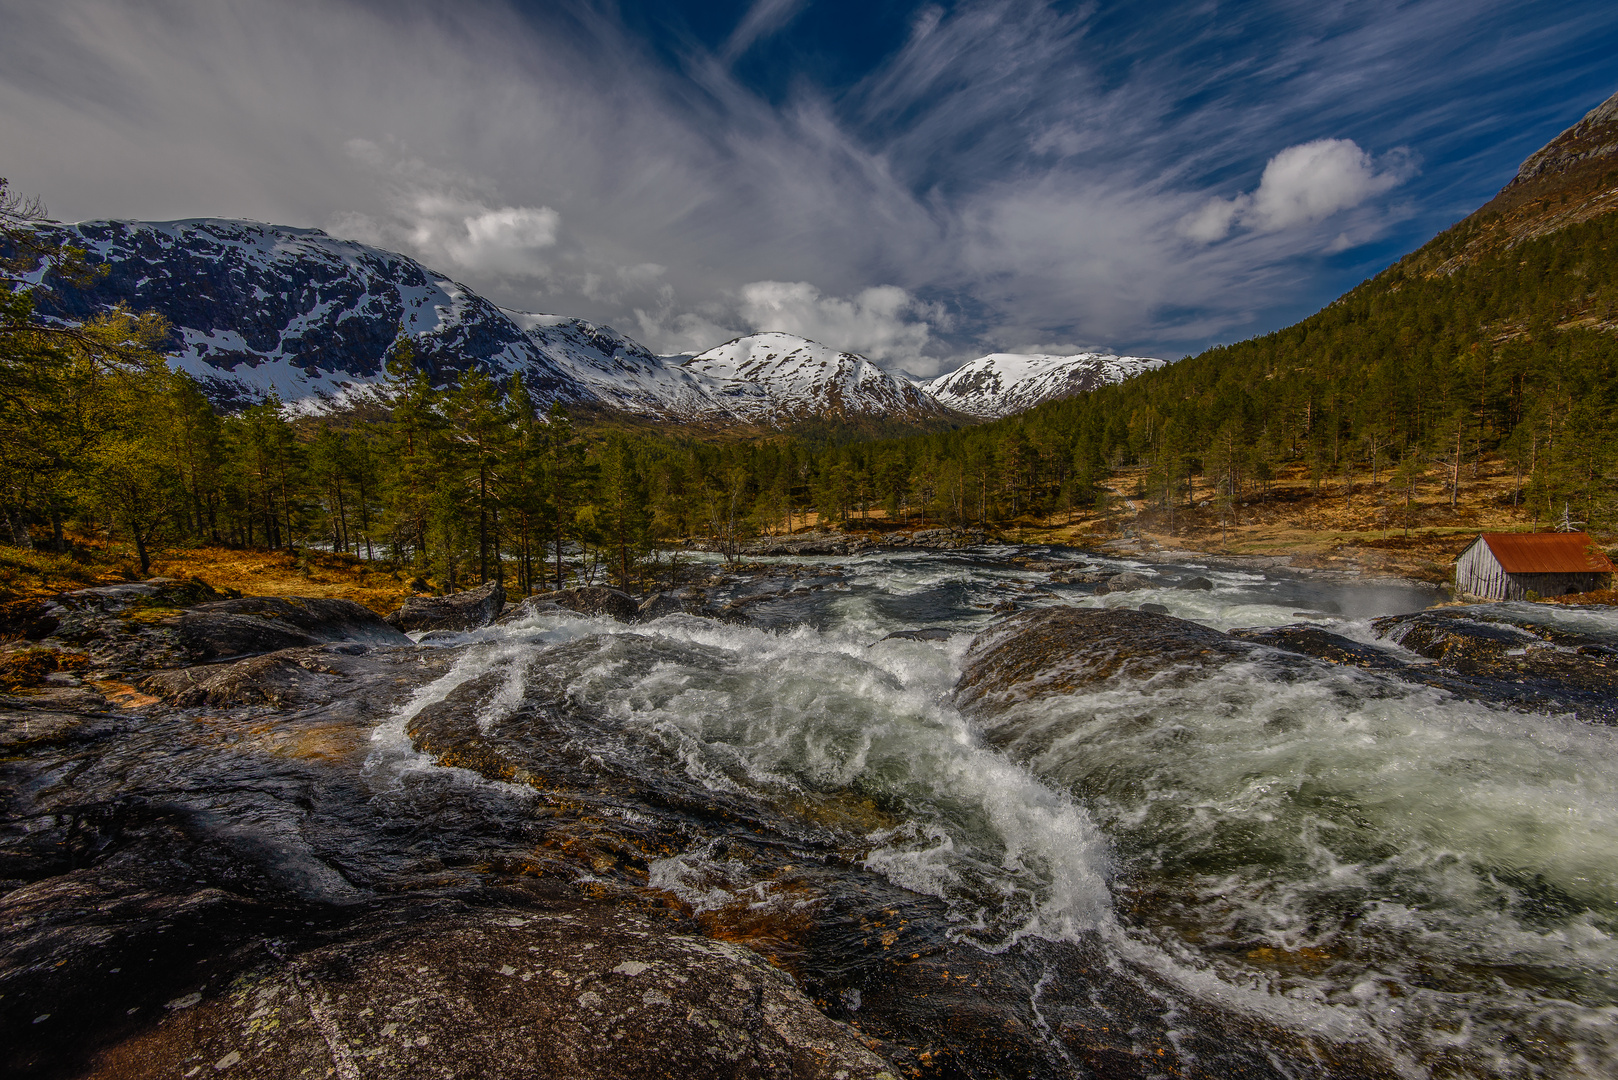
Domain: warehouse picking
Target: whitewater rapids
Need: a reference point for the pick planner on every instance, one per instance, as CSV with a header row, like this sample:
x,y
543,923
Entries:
x,y
1337,851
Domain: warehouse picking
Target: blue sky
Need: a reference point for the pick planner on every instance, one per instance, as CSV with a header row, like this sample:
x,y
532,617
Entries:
x,y
922,182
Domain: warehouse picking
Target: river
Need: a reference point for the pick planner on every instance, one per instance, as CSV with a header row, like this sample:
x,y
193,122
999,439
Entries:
x,y
1334,851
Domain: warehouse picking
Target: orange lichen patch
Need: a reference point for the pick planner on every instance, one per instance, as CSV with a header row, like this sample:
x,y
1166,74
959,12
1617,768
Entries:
x,y
777,927
843,810
124,696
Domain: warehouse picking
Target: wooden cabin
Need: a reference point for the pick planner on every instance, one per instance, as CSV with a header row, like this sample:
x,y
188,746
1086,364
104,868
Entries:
x,y
1509,566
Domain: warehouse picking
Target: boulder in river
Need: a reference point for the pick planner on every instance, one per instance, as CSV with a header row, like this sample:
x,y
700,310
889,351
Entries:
x,y
285,678
164,623
930,633
578,990
459,611
674,602
1128,581
262,624
1057,650
590,600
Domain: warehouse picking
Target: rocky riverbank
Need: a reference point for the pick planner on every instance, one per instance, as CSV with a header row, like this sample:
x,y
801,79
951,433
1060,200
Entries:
x,y
276,837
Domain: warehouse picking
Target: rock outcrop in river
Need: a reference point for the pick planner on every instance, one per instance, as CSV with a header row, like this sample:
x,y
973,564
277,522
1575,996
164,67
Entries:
x,y
1057,650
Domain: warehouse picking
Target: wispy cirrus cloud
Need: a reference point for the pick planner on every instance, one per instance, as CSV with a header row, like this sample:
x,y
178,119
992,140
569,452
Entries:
x,y
764,18
1000,172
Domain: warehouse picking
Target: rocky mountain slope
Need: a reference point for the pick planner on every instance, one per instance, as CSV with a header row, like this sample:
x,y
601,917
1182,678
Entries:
x,y
1570,180
1005,383
262,309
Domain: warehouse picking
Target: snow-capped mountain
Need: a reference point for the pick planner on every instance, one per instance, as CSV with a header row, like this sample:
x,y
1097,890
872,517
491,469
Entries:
x,y
775,376
1001,384
259,309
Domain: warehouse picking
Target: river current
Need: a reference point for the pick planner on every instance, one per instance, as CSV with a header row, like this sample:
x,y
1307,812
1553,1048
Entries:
x,y
1330,849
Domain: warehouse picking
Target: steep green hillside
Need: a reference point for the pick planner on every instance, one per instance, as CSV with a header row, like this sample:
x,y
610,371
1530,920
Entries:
x,y
1500,336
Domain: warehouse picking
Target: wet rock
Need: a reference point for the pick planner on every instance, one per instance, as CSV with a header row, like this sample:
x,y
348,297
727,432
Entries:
x,y
28,721
442,637
1080,577
931,537
1154,609
263,624
287,678
165,623
1058,650
1198,584
572,992
661,604
1496,653
1321,644
467,610
154,592
931,633
1128,581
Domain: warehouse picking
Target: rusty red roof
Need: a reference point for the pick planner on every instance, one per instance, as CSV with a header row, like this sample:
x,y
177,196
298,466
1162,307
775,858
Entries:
x,y
1547,553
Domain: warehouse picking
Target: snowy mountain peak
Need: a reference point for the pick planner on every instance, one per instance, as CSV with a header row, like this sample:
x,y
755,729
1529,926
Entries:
x,y
1001,384
786,376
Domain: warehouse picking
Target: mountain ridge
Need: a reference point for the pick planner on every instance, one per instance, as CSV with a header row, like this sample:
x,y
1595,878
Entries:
x,y
259,309
1570,180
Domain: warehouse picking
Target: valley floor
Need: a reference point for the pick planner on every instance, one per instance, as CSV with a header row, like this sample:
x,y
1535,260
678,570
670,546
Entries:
x,y
1360,526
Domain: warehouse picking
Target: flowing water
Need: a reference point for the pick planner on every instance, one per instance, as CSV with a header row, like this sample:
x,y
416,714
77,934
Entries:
x,y
1329,849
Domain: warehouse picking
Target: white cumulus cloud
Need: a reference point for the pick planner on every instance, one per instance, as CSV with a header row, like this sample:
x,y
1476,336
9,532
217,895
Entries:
x,y
1301,185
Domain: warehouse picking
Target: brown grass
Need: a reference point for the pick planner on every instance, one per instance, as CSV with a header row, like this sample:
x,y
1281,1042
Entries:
x,y
281,573
1333,527
250,572
22,668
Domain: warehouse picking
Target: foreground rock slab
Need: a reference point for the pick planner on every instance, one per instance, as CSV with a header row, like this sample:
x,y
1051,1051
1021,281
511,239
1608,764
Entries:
x,y
576,991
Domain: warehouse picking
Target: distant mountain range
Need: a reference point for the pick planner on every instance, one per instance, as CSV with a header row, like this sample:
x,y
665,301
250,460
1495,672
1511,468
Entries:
x,y
259,309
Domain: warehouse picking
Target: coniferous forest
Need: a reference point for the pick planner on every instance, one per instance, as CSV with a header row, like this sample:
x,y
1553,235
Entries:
x,y
1412,378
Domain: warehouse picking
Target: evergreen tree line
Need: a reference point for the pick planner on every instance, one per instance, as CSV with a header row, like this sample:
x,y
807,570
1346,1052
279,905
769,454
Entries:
x,y
1413,378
